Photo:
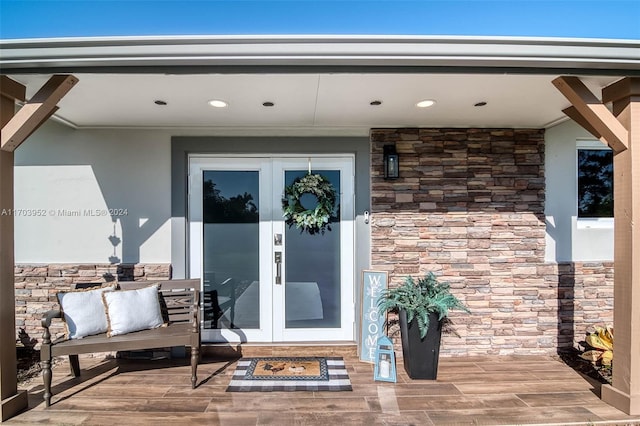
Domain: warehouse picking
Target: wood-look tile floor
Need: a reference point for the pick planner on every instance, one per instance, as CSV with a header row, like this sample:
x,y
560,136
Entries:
x,y
474,391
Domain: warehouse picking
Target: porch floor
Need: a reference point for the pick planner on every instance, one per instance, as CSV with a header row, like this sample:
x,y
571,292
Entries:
x,y
477,390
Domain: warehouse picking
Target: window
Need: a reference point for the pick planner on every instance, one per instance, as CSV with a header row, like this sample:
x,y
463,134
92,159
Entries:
x,y
595,183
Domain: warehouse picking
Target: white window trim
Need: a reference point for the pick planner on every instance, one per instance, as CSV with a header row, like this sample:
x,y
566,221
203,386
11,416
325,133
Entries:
x,y
589,222
590,144
594,223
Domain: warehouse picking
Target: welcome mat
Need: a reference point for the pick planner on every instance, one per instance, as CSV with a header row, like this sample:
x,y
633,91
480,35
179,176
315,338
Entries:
x,y
277,374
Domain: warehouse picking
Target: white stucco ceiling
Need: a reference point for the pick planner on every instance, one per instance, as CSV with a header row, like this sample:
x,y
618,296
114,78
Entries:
x,y
311,101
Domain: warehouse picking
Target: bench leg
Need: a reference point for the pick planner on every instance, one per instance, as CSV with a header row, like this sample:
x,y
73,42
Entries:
x,y
46,376
195,355
75,365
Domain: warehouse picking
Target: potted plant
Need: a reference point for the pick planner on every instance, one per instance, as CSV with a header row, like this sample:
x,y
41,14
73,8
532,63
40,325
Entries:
x,y
422,309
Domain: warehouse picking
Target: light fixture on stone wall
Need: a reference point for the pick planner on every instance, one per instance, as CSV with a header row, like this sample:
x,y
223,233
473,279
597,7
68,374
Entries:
x,y
391,163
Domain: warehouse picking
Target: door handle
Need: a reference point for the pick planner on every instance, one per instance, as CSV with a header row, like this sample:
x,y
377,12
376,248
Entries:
x,y
278,260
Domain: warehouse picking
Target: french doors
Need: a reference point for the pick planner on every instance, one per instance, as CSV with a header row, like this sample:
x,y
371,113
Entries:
x,y
263,281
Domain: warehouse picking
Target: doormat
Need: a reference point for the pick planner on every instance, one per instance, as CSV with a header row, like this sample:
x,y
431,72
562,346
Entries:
x,y
286,374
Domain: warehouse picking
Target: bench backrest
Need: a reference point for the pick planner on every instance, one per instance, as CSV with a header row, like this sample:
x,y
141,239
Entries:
x,y
178,298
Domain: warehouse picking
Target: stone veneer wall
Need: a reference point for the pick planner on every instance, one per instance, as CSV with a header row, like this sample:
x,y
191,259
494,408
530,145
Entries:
x,y
37,286
469,206
585,298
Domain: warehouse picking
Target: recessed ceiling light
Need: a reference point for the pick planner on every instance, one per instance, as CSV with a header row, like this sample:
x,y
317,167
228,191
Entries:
x,y
268,104
160,102
480,104
425,103
218,103
375,103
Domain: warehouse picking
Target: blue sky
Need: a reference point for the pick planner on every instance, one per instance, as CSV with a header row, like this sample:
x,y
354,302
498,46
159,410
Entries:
x,y
560,18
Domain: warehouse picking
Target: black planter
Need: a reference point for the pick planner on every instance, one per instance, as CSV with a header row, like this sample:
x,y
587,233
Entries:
x,y
420,355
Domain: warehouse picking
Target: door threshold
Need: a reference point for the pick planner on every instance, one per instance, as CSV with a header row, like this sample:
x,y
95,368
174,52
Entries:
x,y
237,350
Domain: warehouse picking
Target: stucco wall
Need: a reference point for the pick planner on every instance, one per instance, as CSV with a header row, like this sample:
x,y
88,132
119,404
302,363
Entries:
x,y
567,239
93,196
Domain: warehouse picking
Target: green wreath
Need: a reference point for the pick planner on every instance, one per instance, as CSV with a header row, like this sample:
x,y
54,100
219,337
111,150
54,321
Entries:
x,y
311,220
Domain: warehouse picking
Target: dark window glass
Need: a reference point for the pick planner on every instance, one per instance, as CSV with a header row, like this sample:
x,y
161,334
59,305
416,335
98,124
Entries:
x,y
231,212
595,183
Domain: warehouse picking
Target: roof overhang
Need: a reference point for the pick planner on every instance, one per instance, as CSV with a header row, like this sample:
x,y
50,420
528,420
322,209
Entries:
x,y
319,84
320,53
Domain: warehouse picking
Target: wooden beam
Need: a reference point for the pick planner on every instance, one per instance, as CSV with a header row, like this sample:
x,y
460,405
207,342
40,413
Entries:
x,y
627,87
12,89
49,114
594,112
573,113
36,111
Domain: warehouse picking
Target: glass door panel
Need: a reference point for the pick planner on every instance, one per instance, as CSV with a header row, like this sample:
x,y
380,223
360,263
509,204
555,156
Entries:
x,y
231,217
312,285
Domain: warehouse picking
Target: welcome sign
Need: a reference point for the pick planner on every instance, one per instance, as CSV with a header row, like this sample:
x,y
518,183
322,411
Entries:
x,y
372,323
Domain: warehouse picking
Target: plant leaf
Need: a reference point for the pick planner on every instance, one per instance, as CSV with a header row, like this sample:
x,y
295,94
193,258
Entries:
x,y
592,356
421,298
594,341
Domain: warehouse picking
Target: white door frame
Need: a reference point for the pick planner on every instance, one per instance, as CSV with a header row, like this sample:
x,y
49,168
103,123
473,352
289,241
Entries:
x,y
272,297
197,165
346,332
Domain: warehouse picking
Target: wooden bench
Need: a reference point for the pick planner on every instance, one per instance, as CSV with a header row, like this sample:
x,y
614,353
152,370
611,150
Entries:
x,y
180,301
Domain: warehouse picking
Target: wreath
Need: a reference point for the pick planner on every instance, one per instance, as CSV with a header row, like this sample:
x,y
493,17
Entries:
x,y
312,220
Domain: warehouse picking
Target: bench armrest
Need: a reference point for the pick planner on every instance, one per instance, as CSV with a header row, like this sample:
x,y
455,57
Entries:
x,y
46,323
50,315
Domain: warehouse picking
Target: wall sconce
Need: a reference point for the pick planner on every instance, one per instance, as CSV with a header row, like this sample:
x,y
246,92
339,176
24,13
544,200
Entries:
x,y
391,163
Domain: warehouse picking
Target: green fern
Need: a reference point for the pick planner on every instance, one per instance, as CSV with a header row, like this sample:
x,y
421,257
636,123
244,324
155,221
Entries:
x,y
420,299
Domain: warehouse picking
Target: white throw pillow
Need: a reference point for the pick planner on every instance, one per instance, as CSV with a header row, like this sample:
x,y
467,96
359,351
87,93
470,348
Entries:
x,y
84,311
132,310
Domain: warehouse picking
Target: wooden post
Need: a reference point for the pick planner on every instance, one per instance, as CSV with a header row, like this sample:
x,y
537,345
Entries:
x,y
624,393
12,401
620,129
16,127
